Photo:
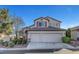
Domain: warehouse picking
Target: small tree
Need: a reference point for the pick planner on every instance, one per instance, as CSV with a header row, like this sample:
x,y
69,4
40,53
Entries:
x,y
5,22
68,33
67,38
17,22
3,13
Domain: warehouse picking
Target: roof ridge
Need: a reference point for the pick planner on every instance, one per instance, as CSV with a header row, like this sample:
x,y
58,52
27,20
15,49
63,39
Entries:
x,y
47,18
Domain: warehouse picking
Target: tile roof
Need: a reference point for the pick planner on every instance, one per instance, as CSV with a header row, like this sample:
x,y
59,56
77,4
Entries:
x,y
44,29
47,18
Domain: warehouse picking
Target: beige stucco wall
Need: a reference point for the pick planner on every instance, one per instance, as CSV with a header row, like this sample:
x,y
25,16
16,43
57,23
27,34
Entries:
x,y
52,23
77,34
74,35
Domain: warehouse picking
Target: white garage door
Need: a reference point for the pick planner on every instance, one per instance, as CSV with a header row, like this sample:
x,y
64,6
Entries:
x,y
45,37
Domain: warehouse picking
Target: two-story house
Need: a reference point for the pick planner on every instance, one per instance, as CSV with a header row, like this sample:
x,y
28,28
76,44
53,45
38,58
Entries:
x,y
44,29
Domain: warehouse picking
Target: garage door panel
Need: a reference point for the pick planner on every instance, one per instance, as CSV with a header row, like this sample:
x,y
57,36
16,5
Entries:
x,y
51,38
45,37
35,37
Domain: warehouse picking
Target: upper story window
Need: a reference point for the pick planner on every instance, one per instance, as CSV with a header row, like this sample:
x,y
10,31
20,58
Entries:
x,y
56,24
42,24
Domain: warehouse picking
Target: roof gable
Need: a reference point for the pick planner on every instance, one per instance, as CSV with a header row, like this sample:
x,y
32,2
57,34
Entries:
x,y
52,19
47,18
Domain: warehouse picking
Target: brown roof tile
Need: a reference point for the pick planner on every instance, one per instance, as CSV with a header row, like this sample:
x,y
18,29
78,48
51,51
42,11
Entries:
x,y
45,29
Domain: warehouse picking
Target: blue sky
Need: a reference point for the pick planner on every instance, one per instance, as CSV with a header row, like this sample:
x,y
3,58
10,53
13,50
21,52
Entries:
x,y
68,14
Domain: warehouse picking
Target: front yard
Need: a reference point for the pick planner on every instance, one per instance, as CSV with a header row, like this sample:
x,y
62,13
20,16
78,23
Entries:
x,y
13,43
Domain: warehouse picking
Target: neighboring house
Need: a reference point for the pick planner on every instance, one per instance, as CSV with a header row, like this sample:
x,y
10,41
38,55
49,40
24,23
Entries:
x,y
75,33
44,29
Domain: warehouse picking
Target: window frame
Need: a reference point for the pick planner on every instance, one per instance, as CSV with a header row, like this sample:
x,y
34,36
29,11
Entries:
x,y
42,24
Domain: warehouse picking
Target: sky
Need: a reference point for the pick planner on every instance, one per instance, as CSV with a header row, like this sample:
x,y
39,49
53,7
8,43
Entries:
x,y
68,14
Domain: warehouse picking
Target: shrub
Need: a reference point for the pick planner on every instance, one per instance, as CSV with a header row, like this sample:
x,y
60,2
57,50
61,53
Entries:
x,y
14,41
24,41
11,44
5,43
1,41
19,41
68,32
66,39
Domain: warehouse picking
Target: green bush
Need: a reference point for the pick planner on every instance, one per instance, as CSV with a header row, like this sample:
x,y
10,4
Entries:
x,y
24,41
14,41
66,39
19,41
5,43
68,32
11,44
1,41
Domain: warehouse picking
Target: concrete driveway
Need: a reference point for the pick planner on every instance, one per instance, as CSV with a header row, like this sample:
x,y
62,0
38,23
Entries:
x,y
48,45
